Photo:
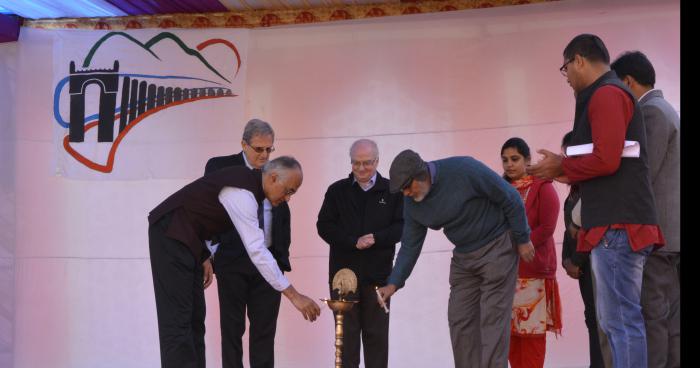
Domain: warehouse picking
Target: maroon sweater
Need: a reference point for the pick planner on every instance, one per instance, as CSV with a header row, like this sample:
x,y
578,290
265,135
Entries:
x,y
542,209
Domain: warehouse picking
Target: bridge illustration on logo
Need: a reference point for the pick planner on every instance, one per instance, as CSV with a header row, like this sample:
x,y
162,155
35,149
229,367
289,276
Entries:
x,y
138,98
108,80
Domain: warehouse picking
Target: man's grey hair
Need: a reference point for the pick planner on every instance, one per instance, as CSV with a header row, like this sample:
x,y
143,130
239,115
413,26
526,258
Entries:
x,y
282,165
257,127
371,143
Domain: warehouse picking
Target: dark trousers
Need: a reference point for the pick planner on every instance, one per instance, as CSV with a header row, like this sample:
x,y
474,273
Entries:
x,y
585,284
242,288
661,309
178,286
368,321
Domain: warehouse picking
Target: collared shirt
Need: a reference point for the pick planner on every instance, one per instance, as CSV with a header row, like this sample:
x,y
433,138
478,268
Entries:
x,y
241,206
267,212
370,183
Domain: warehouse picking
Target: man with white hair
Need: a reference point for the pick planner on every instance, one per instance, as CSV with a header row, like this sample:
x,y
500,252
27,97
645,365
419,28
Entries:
x,y
361,222
178,227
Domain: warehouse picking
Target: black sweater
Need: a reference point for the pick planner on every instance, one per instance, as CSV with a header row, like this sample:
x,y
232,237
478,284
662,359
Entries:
x,y
348,213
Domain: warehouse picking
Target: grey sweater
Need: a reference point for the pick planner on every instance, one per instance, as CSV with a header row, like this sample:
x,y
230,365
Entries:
x,y
470,202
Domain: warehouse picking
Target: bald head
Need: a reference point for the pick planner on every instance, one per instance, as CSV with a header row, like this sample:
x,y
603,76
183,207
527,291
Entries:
x,y
364,145
364,156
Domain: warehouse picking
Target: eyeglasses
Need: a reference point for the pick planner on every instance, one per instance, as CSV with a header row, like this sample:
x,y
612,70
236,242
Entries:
x,y
564,68
366,163
262,149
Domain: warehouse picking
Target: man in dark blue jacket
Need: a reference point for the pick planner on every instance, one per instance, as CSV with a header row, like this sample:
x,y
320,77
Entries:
x,y
240,285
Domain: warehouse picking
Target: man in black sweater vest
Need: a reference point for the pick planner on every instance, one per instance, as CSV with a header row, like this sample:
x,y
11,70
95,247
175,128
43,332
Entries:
x,y
178,227
619,225
240,285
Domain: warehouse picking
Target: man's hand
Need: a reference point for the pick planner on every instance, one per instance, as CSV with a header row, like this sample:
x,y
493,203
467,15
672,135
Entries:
x,y
572,270
365,241
308,308
549,167
386,292
527,251
208,275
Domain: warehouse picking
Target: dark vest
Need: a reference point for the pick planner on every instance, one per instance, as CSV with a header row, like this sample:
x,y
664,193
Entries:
x,y
624,197
197,213
231,246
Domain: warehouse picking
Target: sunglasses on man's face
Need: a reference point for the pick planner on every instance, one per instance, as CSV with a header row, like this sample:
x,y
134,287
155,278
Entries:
x,y
262,149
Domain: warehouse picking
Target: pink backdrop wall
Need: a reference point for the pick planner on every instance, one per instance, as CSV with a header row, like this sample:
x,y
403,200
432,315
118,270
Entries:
x,y
457,83
7,203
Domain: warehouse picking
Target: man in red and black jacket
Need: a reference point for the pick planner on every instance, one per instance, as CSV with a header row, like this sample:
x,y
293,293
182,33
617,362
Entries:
x,y
618,214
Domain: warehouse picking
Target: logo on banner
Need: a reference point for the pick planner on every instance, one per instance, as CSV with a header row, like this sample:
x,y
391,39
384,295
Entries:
x,y
141,95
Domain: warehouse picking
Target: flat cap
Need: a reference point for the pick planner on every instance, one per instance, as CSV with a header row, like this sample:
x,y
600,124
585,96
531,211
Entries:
x,y
404,167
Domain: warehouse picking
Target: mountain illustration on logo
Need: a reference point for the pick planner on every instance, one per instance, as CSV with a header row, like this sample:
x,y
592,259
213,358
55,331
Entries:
x,y
140,94
158,38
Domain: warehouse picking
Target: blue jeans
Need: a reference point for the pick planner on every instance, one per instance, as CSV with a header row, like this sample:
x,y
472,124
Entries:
x,y
618,271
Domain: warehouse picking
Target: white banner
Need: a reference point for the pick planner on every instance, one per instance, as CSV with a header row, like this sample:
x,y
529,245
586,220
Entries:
x,y
145,103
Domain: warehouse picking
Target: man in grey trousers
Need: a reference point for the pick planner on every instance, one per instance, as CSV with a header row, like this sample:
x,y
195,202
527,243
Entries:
x,y
661,284
483,216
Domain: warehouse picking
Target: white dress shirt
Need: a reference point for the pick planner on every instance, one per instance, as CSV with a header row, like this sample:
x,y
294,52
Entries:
x,y
267,220
267,212
241,206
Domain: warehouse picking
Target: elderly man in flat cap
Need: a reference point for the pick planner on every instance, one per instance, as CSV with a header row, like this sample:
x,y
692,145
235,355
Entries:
x,y
484,217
